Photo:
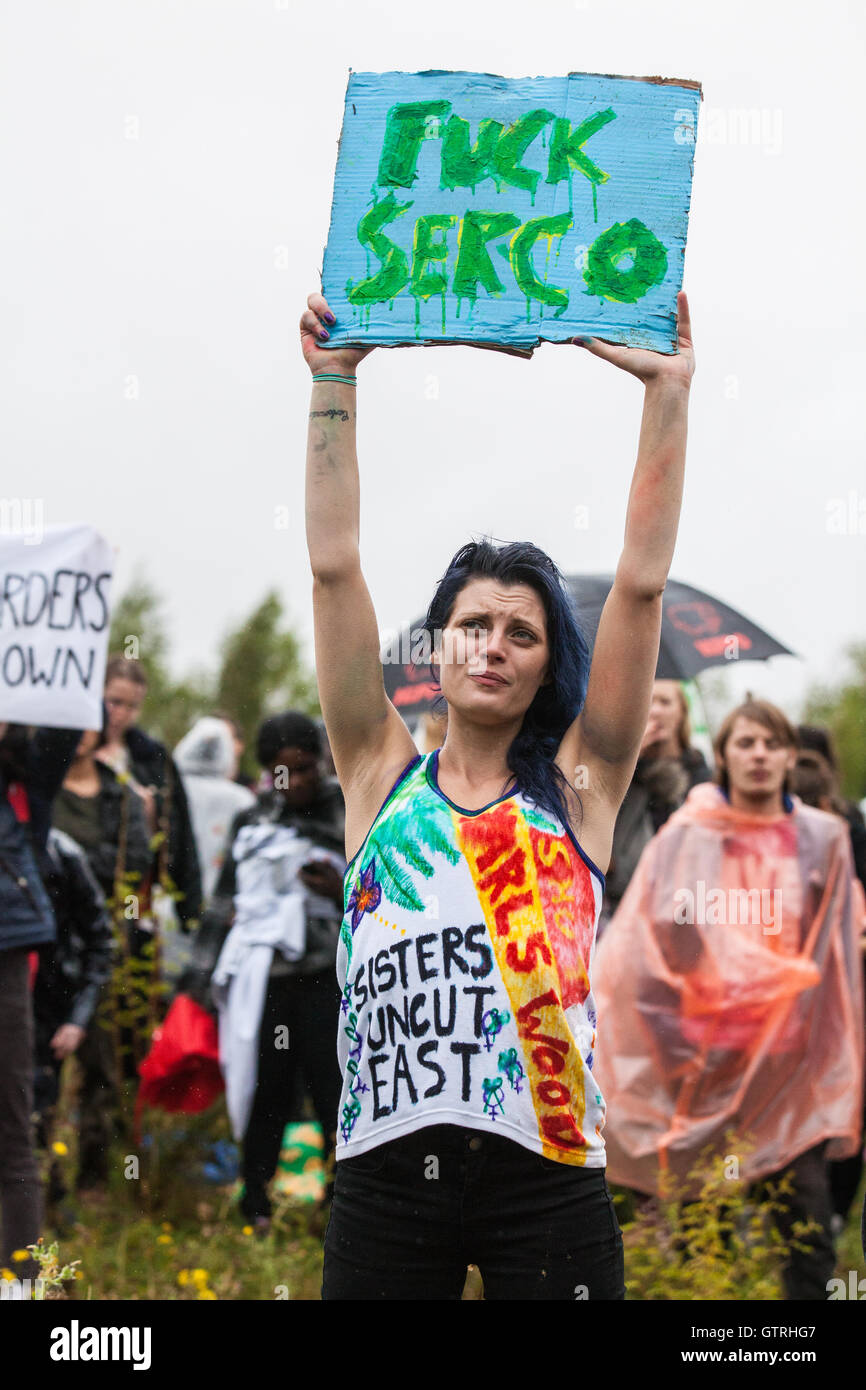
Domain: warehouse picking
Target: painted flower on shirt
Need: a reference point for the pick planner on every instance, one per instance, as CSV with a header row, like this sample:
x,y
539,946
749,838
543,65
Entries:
x,y
365,896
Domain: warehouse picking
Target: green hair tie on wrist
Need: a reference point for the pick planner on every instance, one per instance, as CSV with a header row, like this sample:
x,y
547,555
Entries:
x,y
335,376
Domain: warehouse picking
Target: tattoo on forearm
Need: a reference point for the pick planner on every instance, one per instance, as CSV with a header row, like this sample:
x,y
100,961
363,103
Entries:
x,y
329,414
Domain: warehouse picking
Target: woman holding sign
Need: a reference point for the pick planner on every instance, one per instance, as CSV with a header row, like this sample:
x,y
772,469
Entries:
x,y
470,1126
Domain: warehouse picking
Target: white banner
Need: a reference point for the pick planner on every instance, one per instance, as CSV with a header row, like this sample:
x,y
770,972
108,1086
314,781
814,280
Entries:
x,y
54,621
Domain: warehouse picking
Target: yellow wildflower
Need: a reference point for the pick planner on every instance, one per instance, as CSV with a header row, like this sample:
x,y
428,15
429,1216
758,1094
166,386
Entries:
x,y
167,1226
59,1148
199,1278
206,1293
7,1275
183,1278
20,1255
163,1240
247,1231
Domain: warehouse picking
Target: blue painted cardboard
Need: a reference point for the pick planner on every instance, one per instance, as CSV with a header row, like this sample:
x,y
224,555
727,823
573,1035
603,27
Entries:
x,y
472,208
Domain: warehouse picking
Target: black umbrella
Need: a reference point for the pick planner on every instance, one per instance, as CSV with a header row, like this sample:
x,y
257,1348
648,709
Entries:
x,y
698,631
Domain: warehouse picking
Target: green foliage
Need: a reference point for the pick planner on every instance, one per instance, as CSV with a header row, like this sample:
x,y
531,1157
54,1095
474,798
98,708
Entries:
x,y
53,1273
138,628
843,709
260,671
706,1237
164,1235
133,1001
716,696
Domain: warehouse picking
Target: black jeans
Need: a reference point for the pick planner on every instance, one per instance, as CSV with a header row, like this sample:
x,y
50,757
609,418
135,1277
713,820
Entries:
x,y
20,1189
98,1101
806,1273
409,1216
46,1093
309,1006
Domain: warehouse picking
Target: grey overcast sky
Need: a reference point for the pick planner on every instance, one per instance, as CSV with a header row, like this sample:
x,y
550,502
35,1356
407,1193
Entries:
x,y
166,171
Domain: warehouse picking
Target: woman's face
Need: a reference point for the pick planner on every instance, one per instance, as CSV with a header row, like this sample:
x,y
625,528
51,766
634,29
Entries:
x,y
124,699
493,654
665,715
295,774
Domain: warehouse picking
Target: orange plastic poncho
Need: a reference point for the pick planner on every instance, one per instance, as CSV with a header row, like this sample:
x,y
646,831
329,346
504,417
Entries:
x,y
724,1009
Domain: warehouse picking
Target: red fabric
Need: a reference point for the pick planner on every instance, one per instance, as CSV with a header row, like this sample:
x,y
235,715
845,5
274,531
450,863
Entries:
x,y
33,965
181,1071
17,796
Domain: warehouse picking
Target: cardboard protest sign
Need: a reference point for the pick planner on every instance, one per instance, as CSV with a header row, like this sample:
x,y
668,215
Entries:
x,y
478,209
54,621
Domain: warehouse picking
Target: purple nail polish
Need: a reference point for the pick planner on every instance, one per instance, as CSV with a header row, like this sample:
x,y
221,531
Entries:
x,y
329,317
323,333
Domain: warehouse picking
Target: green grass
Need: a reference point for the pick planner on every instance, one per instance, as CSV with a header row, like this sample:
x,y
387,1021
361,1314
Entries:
x,y
145,1236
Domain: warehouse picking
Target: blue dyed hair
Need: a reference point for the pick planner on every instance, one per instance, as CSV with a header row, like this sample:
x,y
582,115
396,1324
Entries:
x,y
557,703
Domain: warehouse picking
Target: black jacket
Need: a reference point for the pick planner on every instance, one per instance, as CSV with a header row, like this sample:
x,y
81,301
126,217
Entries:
x,y
151,764
73,969
323,822
659,787
26,918
116,803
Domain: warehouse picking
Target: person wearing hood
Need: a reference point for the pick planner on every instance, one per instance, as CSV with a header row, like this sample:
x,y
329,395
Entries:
x,y
207,762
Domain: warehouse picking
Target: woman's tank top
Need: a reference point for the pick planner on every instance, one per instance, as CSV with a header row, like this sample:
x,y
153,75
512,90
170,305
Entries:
x,y
464,964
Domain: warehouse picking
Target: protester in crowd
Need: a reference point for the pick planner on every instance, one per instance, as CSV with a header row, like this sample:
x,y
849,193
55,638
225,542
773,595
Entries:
x,y
70,978
812,781
106,818
281,889
818,741
128,750
468,1019
667,768
730,991
815,780
31,770
207,760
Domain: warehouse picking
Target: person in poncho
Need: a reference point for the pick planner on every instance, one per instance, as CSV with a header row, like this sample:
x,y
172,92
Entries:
x,y
729,990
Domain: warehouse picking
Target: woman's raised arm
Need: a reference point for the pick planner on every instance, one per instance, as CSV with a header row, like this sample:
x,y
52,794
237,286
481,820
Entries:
x,y
604,740
364,729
